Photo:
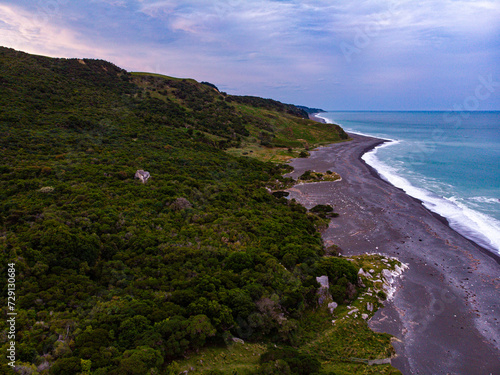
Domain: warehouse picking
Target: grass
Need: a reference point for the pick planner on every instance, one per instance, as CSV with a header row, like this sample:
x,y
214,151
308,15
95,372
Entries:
x,y
161,76
291,135
242,358
271,154
286,135
310,176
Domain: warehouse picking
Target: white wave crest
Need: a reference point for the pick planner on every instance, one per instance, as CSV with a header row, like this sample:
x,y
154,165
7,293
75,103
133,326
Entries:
x,y
472,224
485,200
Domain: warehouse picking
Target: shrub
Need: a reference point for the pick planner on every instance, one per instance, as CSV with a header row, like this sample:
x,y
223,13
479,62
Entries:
x,y
337,268
65,366
298,362
307,175
322,208
281,194
382,295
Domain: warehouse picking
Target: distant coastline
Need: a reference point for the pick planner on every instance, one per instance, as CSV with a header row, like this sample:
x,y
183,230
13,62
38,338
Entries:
x,y
314,117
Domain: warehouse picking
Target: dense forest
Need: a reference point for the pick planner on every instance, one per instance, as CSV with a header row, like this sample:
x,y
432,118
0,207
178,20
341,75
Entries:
x,y
117,276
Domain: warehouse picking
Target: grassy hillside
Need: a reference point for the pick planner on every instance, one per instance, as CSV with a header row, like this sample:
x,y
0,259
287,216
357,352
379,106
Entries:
x,y
114,276
273,131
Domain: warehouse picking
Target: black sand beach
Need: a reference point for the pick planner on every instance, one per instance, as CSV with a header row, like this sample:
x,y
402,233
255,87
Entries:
x,y
445,315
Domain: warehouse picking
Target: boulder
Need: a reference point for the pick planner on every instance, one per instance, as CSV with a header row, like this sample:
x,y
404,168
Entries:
x,y
46,189
142,175
239,341
387,275
323,291
332,306
362,272
323,281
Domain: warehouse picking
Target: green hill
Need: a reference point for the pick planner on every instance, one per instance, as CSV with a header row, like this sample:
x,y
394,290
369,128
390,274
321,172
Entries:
x,y
116,276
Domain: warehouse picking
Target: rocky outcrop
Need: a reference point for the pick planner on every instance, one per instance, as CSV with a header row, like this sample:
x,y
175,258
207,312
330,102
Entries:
x,y
142,175
323,291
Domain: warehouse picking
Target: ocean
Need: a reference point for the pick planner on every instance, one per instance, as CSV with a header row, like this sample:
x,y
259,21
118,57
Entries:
x,y
448,160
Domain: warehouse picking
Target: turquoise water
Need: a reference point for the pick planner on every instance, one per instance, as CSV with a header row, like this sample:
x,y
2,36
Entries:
x,y
448,160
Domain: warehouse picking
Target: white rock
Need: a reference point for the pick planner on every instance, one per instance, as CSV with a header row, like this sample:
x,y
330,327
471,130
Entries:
x,y
142,175
332,306
387,275
323,281
362,272
323,293
364,316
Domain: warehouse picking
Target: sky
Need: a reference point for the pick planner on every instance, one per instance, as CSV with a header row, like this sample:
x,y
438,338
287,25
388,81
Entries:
x,y
335,55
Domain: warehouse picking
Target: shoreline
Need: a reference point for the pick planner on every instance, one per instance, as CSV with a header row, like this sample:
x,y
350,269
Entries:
x,y
445,314
376,174
314,117
439,217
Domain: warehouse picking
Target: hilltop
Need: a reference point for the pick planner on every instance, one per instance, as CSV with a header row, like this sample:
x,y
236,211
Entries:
x,y
116,276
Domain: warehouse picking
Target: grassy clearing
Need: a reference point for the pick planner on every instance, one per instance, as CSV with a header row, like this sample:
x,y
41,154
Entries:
x,y
161,76
270,154
291,135
236,357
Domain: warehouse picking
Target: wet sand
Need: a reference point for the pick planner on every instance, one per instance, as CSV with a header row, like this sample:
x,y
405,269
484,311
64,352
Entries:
x,y
446,314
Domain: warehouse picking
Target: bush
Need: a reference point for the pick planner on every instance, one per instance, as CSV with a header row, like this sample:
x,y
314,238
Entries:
x,y
307,175
281,194
382,295
298,362
336,269
303,154
64,366
342,276
322,208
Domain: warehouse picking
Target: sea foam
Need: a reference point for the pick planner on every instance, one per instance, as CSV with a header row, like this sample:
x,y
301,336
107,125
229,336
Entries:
x,y
476,226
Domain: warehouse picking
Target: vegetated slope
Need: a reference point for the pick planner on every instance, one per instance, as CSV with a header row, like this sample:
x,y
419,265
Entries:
x,y
123,277
247,125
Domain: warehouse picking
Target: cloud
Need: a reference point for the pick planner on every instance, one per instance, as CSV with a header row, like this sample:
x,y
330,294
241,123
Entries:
x,y
274,48
34,32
